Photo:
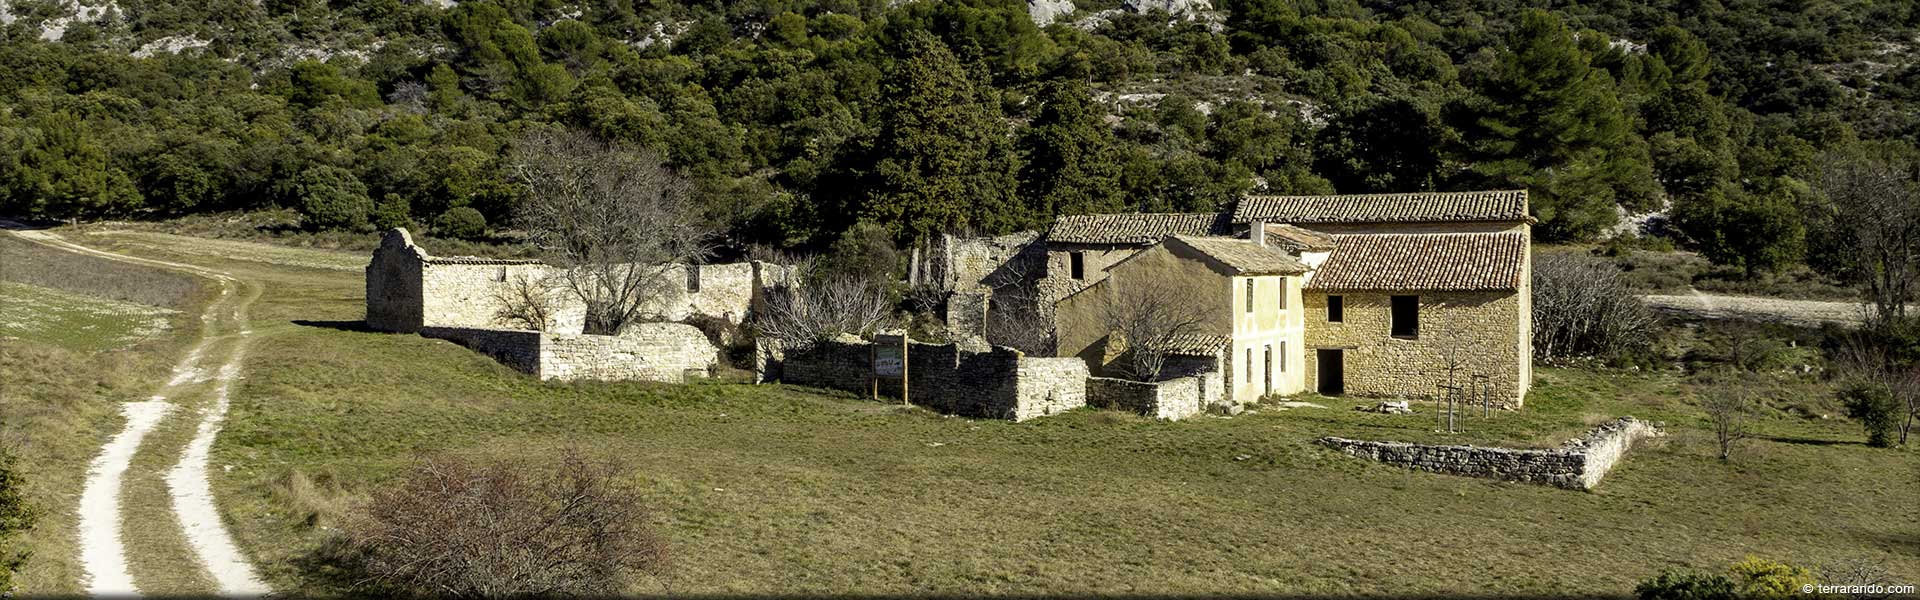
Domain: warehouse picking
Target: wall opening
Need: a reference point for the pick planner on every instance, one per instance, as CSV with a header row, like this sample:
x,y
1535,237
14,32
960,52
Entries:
x,y
1406,317
1336,309
693,279
1269,351
1077,265
1249,294
1283,292
1333,371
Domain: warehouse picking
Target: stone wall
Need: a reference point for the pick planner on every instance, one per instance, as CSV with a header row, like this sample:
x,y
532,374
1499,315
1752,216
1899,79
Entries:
x,y
665,352
974,263
408,288
1579,464
1000,383
1171,399
1482,332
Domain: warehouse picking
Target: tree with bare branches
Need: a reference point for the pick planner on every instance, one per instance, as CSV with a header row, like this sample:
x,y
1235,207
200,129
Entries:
x,y
614,219
1145,316
1729,408
810,307
1873,214
526,301
1582,307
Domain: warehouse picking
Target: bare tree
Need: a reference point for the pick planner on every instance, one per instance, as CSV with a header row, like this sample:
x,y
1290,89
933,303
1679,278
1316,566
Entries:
x,y
1729,409
803,310
526,301
1873,210
614,219
1582,307
1146,315
1864,357
1017,317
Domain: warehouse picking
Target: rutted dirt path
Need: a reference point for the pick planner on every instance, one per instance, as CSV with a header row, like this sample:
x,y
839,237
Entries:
x,y
1810,313
103,545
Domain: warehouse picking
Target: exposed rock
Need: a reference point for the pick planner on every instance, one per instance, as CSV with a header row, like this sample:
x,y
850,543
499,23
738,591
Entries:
x,y
172,44
1389,407
1046,12
1183,9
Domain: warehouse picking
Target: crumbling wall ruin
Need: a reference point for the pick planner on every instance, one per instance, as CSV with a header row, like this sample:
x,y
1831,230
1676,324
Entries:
x,y
1579,464
664,352
1000,383
1171,399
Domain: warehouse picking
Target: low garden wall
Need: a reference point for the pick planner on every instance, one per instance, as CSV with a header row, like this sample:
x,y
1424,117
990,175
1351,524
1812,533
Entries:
x,y
1579,464
664,352
1171,399
1001,383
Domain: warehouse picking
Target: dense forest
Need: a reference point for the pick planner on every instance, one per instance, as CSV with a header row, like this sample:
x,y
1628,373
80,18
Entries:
x,y
797,119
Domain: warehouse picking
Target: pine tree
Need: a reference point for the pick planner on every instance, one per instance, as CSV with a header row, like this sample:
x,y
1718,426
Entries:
x,y
942,158
1545,119
1070,166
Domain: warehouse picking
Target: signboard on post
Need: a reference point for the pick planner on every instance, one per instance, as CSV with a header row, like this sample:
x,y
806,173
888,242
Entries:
x,y
889,362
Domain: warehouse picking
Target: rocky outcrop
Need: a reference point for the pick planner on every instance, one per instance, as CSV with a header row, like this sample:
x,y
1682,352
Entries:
x,y
1047,12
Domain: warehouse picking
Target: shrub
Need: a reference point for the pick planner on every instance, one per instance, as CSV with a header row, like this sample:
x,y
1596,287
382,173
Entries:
x,y
1685,585
332,198
460,222
392,212
1582,307
1875,408
1762,578
495,529
15,517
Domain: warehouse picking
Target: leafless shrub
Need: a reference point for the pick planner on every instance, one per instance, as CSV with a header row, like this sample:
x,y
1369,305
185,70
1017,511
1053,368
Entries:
x,y
1729,408
1017,317
613,218
806,310
1582,307
1860,573
527,301
453,527
1146,315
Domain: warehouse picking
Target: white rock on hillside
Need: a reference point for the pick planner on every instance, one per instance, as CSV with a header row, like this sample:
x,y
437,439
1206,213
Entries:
x,y
1046,12
172,44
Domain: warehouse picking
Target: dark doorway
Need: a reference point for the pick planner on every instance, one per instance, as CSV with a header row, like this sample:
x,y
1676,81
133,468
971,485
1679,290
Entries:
x,y
1333,372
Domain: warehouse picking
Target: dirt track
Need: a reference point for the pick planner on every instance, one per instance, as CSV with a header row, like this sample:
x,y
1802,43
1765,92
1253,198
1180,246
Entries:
x,y
1808,313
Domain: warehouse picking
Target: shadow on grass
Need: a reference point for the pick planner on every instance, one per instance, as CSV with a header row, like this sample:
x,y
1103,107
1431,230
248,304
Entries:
x,y
1809,441
360,326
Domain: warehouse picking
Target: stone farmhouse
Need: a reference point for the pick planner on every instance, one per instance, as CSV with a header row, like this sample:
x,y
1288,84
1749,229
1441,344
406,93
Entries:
x,y
1389,295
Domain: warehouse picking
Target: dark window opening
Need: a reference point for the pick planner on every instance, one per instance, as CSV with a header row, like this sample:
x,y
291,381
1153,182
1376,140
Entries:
x,y
693,279
1406,317
1336,309
1249,294
1249,365
1282,281
1077,265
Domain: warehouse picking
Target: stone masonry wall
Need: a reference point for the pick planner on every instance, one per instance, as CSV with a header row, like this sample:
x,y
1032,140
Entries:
x,y
1001,383
1482,330
1172,399
1579,464
663,352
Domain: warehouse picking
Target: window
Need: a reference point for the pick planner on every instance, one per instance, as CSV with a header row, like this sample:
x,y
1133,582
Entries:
x,y
693,279
1406,317
1282,359
1283,292
1249,365
1336,309
1077,265
1249,294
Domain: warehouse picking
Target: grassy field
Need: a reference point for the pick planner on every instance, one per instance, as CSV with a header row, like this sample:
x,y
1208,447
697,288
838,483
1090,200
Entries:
x,y
776,489
68,358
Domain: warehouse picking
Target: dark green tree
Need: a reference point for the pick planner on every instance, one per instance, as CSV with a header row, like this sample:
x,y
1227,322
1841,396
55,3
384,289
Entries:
x,y
56,169
1380,144
332,198
1070,166
941,158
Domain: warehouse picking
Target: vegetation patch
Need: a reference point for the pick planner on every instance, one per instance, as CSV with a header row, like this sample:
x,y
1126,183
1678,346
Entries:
x,y
77,321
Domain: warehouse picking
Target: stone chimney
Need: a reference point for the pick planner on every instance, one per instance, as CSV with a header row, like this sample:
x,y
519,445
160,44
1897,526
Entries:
x,y
1258,233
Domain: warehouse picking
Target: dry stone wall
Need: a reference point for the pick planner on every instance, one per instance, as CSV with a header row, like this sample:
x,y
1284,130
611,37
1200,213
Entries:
x,y
1579,464
1171,399
1000,383
664,352
1482,332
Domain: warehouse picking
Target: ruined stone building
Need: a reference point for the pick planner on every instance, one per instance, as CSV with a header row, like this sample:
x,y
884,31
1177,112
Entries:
x,y
472,301
1378,295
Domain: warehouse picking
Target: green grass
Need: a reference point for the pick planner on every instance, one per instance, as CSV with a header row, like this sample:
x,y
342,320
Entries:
x,y
77,321
60,387
766,489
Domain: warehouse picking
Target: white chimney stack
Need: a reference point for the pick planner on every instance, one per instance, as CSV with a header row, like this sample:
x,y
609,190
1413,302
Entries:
x,y
1259,233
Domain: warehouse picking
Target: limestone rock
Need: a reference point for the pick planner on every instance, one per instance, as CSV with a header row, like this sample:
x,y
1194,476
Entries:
x,y
1389,407
1046,12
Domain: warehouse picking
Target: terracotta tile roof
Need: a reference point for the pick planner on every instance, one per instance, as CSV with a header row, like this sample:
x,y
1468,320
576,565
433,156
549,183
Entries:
x,y
1423,262
1136,228
1418,207
1295,239
1243,256
1195,344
